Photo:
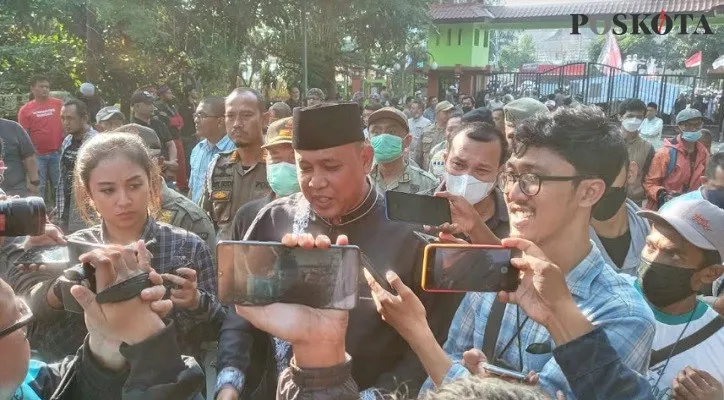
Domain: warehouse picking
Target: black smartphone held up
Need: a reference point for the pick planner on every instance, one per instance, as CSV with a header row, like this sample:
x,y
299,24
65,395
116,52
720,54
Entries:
x,y
260,273
468,268
417,209
46,255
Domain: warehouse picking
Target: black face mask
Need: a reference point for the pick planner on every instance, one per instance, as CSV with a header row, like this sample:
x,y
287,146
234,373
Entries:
x,y
467,109
715,196
664,285
610,203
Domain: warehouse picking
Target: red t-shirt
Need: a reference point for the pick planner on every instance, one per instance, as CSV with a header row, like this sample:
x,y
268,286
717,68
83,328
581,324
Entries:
x,y
42,121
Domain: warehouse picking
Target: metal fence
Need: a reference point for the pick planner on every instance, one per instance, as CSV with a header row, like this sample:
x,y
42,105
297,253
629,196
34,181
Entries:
x,y
607,86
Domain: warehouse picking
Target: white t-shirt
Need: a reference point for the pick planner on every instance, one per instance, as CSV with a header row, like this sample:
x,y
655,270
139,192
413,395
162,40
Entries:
x,y
707,355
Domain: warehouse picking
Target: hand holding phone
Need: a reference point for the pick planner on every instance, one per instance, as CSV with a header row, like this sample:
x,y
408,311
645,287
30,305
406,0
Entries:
x,y
184,292
468,268
417,209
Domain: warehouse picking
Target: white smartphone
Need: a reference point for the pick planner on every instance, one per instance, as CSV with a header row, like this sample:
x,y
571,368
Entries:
x,y
503,372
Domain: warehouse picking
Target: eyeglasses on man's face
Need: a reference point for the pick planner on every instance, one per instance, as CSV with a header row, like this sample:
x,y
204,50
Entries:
x,y
26,317
530,183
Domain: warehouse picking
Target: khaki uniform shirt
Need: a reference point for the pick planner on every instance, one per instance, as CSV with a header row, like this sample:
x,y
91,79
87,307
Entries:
x,y
413,180
178,210
420,149
228,187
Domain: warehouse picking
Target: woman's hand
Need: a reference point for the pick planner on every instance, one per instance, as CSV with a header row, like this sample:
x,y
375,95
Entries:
x,y
186,294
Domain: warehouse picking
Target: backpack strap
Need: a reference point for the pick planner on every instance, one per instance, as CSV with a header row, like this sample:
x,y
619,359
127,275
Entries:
x,y
492,330
686,343
672,161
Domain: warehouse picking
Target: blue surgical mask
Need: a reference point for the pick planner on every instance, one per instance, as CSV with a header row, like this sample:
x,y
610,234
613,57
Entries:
x,y
282,178
691,136
387,147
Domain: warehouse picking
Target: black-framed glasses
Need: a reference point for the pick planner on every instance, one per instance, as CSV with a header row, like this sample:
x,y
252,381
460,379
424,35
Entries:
x,y
202,115
26,317
530,183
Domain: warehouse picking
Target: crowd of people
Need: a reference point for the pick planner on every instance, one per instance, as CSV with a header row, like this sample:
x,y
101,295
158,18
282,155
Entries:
x,y
619,246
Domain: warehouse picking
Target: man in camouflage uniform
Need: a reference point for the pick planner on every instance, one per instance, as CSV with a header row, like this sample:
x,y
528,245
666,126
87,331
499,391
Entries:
x,y
237,177
178,210
431,136
390,136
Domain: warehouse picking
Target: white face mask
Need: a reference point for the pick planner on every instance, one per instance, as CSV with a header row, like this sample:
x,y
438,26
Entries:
x,y
631,124
472,189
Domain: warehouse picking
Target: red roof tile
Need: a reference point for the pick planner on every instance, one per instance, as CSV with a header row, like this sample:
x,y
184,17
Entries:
x,y
479,12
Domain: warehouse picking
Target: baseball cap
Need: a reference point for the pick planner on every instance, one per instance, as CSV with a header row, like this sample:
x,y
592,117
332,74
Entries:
x,y
280,131
698,221
109,112
525,107
443,106
687,114
481,114
141,96
87,89
391,113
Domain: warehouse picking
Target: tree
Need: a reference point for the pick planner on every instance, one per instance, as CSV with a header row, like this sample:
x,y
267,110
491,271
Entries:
x,y
514,55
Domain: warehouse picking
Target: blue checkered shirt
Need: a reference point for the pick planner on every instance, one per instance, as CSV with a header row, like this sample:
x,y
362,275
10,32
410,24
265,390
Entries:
x,y
174,248
606,298
201,157
60,189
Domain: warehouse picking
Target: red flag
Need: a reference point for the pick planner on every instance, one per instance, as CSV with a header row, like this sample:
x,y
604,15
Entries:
x,y
693,61
610,54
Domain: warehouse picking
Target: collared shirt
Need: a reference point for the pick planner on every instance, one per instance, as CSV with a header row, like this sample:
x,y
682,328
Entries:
x,y
201,157
606,298
420,147
178,210
651,129
417,125
65,180
412,180
173,248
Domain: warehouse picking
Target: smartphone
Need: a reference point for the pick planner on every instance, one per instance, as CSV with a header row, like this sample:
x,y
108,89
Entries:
x,y
259,273
504,372
468,268
425,238
47,255
417,209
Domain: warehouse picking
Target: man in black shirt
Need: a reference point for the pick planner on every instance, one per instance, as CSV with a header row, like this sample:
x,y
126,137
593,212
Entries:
x,y
142,111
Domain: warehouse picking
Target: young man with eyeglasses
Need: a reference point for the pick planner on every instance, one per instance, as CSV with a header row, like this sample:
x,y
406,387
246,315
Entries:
x,y
560,168
209,120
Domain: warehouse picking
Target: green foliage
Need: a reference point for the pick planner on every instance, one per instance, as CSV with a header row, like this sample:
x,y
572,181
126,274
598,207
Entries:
x,y
514,55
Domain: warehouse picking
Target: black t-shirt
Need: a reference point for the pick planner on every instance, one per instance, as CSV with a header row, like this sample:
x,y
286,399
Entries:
x,y
161,131
617,248
68,161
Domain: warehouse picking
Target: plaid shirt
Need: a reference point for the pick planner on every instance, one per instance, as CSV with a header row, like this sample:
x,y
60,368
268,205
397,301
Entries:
x,y
60,190
606,298
174,248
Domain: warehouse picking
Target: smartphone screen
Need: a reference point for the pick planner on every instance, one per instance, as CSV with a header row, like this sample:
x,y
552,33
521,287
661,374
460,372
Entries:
x,y
259,273
418,209
469,269
47,255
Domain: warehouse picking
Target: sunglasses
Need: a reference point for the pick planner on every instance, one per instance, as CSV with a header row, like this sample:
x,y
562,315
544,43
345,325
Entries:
x,y
26,317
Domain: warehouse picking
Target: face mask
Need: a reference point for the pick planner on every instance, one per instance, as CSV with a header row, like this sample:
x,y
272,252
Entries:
x,y
282,178
468,186
691,136
664,285
715,196
609,204
387,147
631,124
467,109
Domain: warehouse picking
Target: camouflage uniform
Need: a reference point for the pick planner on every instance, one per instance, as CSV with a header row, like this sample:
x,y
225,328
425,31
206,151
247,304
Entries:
x,y
413,180
228,187
178,210
420,153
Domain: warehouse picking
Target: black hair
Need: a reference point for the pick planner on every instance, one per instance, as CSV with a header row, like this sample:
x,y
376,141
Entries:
x,y
581,135
567,101
653,105
408,99
465,96
215,103
631,105
373,106
551,97
481,114
245,90
711,257
499,109
716,160
486,133
37,78
80,108
429,98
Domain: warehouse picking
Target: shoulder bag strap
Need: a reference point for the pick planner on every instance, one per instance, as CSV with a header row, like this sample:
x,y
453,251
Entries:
x,y
492,330
686,343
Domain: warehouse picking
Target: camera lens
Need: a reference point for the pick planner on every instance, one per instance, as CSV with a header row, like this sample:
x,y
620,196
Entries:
x,y
22,217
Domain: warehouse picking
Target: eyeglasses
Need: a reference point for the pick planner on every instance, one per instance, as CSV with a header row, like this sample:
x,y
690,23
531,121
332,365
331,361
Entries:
x,y
530,183
204,115
26,317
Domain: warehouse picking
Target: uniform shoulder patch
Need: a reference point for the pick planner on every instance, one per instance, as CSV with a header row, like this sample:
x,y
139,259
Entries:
x,y
221,195
166,216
